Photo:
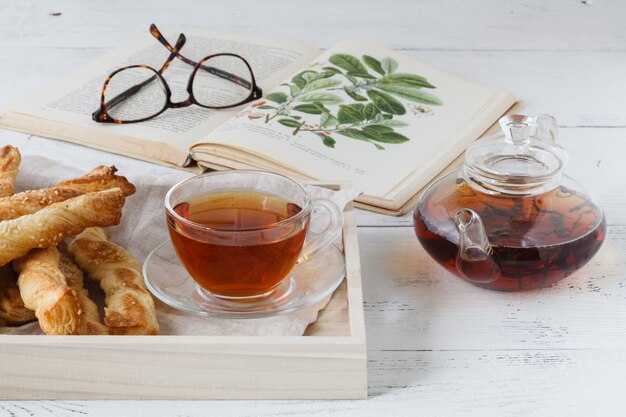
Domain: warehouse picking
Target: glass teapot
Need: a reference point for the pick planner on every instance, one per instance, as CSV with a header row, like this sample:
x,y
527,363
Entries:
x,y
509,219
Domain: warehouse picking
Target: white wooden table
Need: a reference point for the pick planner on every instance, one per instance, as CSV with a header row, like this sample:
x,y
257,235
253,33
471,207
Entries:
x,y
436,346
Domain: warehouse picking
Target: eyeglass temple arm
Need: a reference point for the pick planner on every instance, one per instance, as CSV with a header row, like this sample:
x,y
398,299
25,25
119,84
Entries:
x,y
180,42
105,107
220,73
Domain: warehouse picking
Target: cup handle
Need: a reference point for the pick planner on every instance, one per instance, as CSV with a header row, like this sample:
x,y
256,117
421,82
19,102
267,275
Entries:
x,y
328,234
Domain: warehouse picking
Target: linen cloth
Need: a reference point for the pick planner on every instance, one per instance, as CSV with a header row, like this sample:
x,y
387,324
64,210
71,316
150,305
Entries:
x,y
46,162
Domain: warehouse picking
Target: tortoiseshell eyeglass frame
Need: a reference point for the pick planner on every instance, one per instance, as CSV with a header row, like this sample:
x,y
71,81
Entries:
x,y
102,115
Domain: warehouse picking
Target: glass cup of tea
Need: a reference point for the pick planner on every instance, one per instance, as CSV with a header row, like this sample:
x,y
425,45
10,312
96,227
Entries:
x,y
239,233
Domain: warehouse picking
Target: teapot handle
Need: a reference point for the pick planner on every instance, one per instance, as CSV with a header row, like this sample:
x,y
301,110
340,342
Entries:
x,y
546,127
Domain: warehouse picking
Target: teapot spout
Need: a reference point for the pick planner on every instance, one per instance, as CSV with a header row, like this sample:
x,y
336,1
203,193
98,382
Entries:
x,y
475,260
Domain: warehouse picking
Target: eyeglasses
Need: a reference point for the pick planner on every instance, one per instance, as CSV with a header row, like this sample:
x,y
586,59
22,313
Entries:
x,y
139,92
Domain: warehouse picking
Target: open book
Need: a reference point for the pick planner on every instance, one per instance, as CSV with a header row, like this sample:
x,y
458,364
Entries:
x,y
357,113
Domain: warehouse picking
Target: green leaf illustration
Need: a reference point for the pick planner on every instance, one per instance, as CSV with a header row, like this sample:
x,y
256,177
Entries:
x,y
377,129
322,98
321,107
266,107
371,111
328,121
391,123
352,79
409,93
289,123
354,134
309,108
389,137
348,62
324,83
276,97
374,64
389,65
409,79
386,103
352,113
328,141
354,95
309,76
301,79
293,89
332,69
325,74
365,75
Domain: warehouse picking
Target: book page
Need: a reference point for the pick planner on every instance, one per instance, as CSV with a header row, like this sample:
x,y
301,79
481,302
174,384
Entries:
x,y
365,114
73,100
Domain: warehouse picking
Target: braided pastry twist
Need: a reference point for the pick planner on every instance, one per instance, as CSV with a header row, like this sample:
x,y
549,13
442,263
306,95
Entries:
x,y
129,308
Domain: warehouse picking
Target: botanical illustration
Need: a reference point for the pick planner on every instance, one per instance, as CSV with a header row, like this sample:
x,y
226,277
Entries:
x,y
351,98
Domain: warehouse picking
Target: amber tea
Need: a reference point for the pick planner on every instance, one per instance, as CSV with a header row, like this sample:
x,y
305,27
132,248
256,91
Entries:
x,y
247,252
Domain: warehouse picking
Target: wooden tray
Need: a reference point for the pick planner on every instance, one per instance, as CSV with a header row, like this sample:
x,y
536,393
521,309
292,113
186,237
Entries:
x,y
329,362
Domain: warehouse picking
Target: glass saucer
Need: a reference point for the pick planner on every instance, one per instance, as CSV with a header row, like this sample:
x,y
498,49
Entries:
x,y
307,283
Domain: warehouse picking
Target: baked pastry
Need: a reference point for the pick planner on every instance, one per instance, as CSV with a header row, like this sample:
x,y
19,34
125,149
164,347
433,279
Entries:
x,y
74,279
13,312
12,309
28,202
44,289
9,163
55,223
98,179
129,308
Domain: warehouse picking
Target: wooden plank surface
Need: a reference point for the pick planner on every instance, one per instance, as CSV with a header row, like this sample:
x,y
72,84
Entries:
x,y
436,346
183,368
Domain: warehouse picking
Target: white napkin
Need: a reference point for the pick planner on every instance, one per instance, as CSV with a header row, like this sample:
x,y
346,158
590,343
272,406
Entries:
x,y
143,227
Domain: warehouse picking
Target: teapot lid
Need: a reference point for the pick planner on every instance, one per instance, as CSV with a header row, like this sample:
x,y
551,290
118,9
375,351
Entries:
x,y
524,160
